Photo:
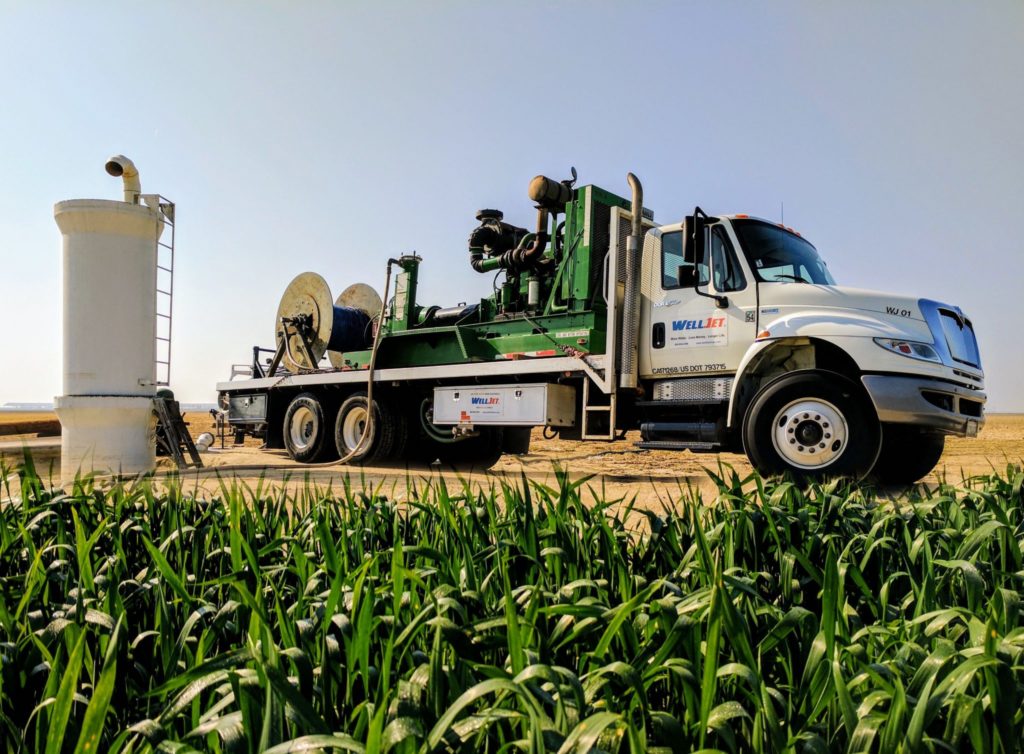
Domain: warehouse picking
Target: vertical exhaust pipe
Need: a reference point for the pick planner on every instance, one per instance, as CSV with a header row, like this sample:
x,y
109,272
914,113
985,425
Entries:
x,y
631,296
120,166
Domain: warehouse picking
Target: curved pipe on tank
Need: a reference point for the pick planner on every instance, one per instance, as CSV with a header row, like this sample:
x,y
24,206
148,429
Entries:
x,y
120,166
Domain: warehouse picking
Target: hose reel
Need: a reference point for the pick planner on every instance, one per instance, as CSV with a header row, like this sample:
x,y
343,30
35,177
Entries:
x,y
309,324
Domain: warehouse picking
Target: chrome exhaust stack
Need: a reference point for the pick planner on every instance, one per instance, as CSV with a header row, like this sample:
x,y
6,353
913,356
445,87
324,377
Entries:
x,y
628,365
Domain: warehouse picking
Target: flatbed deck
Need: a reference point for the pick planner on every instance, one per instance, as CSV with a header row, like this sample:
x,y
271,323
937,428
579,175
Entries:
x,y
591,364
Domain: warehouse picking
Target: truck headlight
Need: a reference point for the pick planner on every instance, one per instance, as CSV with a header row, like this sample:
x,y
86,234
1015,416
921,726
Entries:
x,y
910,349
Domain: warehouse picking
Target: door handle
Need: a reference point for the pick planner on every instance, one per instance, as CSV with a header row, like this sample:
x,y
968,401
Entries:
x,y
658,335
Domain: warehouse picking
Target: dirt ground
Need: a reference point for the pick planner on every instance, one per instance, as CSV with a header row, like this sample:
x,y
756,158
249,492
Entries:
x,y
619,470
16,424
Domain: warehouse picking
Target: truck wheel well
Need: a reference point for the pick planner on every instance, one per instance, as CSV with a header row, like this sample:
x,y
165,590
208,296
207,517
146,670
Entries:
x,y
787,356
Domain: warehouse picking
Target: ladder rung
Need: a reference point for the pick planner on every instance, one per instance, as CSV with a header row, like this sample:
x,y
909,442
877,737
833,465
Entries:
x,y
165,245
165,316
161,290
597,408
161,337
165,269
161,361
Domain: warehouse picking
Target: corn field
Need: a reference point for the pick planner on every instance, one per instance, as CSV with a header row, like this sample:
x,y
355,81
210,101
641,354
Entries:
x,y
518,617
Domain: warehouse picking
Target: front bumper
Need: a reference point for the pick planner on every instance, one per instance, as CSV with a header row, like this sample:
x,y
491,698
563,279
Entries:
x,y
929,404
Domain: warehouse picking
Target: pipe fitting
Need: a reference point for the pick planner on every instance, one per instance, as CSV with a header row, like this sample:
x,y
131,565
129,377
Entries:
x,y
525,258
120,166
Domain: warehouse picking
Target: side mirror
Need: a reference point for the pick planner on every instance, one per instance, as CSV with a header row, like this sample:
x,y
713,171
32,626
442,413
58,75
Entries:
x,y
693,254
693,229
686,274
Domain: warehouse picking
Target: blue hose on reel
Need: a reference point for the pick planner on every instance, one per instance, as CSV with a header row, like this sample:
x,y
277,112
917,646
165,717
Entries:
x,y
350,331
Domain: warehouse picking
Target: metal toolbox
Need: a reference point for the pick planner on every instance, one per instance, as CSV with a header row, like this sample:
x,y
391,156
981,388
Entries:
x,y
521,405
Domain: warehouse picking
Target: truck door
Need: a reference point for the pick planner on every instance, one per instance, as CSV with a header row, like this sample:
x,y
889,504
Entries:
x,y
685,332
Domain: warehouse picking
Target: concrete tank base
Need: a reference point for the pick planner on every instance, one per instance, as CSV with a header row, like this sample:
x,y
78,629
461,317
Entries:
x,y
106,435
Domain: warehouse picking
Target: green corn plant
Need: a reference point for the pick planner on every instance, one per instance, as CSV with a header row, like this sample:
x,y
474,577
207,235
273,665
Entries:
x,y
428,616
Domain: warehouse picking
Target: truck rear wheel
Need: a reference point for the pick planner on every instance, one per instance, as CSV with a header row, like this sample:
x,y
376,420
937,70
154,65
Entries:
x,y
307,429
813,424
479,452
388,436
908,453
516,440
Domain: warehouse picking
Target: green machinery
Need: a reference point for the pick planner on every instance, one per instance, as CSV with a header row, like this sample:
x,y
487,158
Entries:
x,y
550,301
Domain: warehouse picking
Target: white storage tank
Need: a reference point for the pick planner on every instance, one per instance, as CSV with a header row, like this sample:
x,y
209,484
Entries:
x,y
109,380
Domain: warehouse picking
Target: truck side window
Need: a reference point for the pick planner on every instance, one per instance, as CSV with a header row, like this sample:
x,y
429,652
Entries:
x,y
672,260
725,268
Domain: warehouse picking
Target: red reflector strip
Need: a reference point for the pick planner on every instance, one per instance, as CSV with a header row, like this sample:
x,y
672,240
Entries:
x,y
527,355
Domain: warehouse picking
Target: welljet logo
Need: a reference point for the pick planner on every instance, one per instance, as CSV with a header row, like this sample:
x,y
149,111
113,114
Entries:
x,y
479,401
698,324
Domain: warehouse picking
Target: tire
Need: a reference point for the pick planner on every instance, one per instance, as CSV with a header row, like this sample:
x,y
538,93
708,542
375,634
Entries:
x,y
516,440
306,429
814,425
479,452
390,430
908,453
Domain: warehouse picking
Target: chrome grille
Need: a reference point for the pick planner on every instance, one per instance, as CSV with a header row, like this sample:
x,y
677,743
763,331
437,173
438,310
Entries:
x,y
693,389
959,333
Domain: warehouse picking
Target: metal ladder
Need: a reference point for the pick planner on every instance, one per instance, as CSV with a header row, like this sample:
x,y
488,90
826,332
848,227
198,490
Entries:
x,y
164,263
586,434
172,435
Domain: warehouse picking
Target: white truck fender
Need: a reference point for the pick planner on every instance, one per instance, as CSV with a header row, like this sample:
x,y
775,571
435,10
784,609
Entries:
x,y
824,325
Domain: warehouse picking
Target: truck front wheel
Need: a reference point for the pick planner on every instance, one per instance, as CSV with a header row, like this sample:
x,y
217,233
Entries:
x,y
813,424
307,429
908,453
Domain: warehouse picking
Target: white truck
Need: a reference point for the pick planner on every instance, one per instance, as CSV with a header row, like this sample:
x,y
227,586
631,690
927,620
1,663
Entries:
x,y
724,333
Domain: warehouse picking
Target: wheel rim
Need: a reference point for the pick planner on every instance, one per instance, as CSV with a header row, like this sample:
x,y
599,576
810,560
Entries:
x,y
353,426
810,433
303,428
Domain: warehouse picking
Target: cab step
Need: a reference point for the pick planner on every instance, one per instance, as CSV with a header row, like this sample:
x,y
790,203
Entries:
x,y
695,446
689,432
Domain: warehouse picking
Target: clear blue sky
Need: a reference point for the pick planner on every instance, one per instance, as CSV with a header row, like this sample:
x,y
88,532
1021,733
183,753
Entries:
x,y
330,136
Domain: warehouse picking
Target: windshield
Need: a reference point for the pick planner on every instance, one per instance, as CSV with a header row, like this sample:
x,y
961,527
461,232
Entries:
x,y
777,255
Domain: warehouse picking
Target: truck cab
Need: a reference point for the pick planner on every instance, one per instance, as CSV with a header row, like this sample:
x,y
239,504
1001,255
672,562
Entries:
x,y
747,343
